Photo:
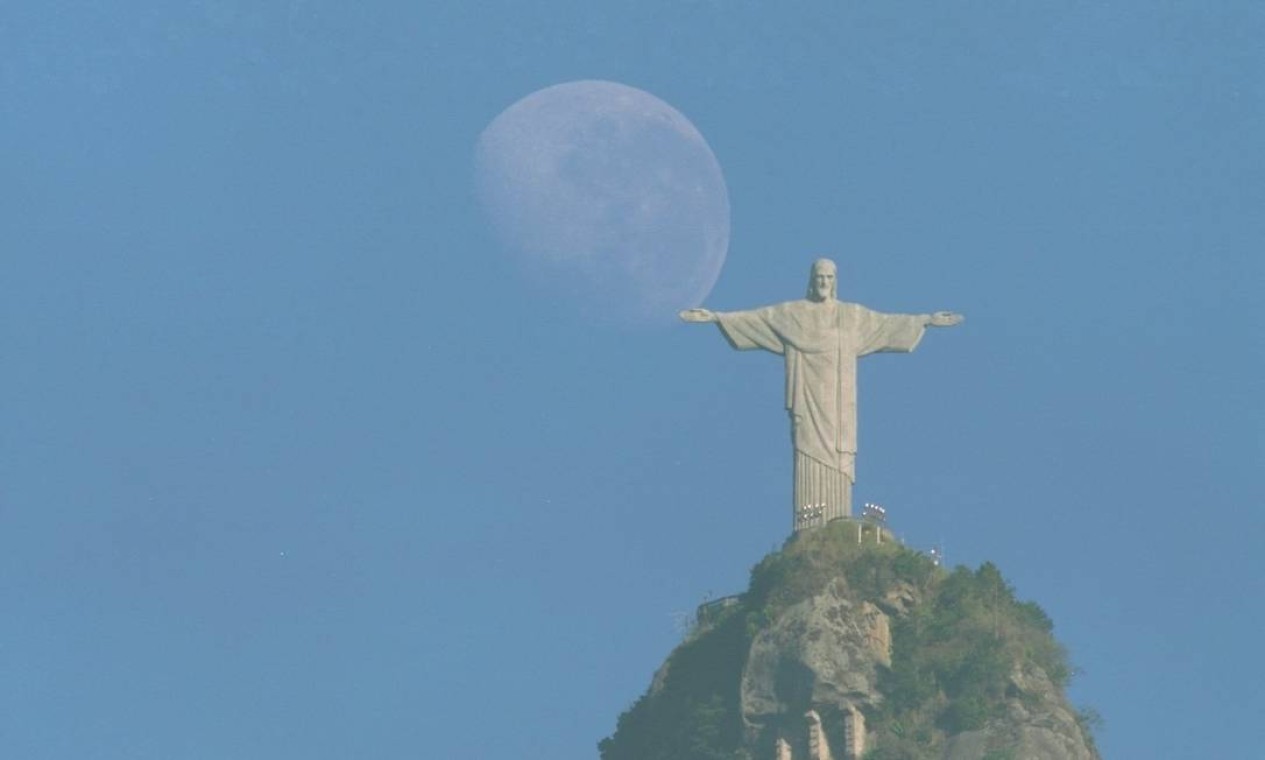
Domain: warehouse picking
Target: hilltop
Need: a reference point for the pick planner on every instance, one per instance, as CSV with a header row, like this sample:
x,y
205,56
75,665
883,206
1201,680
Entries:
x,y
843,647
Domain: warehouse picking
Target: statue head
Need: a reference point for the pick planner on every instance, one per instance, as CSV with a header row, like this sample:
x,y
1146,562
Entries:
x,y
822,283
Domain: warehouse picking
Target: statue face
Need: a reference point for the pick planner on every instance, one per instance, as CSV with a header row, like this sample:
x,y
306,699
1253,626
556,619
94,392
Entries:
x,y
823,287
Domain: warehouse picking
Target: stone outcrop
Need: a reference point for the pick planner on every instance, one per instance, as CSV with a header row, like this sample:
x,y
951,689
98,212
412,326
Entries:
x,y
797,670
1038,724
820,657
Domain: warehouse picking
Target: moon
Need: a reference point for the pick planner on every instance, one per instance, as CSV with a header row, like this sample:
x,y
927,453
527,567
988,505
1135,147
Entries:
x,y
607,195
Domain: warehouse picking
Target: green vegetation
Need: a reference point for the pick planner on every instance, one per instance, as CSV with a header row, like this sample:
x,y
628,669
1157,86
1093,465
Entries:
x,y
695,716
1090,721
957,638
810,560
953,656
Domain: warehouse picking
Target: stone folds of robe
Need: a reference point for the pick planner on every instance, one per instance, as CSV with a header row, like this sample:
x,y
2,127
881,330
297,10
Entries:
x,y
821,341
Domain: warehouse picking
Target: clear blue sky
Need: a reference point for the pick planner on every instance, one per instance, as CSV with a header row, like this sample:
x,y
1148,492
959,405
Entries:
x,y
295,464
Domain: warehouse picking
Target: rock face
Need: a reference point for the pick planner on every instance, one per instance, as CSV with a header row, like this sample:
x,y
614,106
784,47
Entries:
x,y
843,650
1044,729
820,655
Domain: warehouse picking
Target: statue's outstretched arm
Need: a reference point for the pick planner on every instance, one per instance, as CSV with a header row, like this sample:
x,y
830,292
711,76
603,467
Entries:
x,y
697,315
944,319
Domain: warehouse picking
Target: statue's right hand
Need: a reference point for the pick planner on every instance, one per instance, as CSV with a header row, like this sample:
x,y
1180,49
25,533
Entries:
x,y
697,315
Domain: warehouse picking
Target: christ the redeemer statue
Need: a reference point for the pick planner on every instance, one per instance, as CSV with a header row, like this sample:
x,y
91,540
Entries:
x,y
821,339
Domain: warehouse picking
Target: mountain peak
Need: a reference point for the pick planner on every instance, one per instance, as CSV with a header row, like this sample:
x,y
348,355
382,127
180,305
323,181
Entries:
x,y
844,647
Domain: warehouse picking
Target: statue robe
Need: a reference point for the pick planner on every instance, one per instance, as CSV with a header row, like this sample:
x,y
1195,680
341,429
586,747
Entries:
x,y
821,342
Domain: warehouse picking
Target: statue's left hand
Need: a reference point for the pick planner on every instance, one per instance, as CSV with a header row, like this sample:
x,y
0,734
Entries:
x,y
945,319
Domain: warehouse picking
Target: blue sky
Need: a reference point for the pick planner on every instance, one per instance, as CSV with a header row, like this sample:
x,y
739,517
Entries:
x,y
294,462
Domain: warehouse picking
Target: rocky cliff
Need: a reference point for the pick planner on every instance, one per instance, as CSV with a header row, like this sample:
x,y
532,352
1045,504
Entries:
x,y
844,647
